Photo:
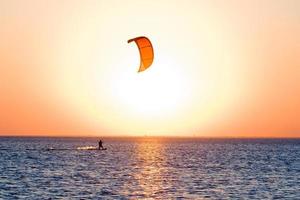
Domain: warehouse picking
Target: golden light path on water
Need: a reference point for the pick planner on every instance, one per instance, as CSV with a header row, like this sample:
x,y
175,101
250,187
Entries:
x,y
155,171
151,157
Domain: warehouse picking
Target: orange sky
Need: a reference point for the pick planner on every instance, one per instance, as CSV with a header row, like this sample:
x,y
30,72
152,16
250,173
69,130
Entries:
x,y
221,68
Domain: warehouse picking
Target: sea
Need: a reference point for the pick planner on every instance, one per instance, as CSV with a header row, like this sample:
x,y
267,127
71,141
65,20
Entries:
x,y
149,168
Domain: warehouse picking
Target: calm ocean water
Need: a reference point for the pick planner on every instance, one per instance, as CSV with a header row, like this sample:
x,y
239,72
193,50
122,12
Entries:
x,y
149,168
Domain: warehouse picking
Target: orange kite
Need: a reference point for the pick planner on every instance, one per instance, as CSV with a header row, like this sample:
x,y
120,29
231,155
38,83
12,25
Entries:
x,y
146,52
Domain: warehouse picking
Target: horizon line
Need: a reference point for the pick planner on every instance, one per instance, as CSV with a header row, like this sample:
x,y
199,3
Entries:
x,y
150,137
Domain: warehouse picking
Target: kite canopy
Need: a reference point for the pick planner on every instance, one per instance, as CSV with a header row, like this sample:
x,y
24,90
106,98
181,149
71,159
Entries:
x,y
146,52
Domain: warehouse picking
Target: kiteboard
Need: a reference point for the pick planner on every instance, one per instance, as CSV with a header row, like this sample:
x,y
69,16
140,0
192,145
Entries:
x,y
95,149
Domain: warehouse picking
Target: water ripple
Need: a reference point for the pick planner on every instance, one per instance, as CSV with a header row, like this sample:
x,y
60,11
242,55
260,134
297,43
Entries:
x,y
149,169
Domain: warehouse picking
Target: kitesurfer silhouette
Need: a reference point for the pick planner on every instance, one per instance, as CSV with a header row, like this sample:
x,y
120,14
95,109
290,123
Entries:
x,y
100,144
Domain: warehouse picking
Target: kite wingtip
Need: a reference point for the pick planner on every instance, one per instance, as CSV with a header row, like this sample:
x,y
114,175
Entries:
x,y
128,41
141,69
136,38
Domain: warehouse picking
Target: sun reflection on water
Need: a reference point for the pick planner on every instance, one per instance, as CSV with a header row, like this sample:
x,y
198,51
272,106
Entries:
x,y
150,160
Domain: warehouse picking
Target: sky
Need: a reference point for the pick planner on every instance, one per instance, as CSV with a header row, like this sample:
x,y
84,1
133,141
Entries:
x,y
221,68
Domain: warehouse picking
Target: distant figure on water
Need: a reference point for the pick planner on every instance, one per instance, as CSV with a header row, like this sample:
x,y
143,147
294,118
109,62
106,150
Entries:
x,y
100,144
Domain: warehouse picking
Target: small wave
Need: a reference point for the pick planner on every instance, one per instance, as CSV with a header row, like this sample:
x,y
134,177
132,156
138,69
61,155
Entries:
x,y
87,148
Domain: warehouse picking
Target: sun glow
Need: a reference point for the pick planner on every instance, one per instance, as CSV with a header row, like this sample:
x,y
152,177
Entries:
x,y
154,92
176,94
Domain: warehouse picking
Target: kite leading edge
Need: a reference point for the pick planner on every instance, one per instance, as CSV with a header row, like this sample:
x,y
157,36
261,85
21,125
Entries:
x,y
146,52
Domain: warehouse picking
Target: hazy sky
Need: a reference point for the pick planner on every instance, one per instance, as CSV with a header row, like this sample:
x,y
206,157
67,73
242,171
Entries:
x,y
221,68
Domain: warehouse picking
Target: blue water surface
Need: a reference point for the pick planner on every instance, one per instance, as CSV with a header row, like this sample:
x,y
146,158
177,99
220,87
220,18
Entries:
x,y
149,168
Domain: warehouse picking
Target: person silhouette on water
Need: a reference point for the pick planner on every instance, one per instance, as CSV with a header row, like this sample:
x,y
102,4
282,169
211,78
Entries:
x,y
100,144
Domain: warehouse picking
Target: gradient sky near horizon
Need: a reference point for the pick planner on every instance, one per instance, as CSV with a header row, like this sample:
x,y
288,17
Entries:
x,y
221,68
